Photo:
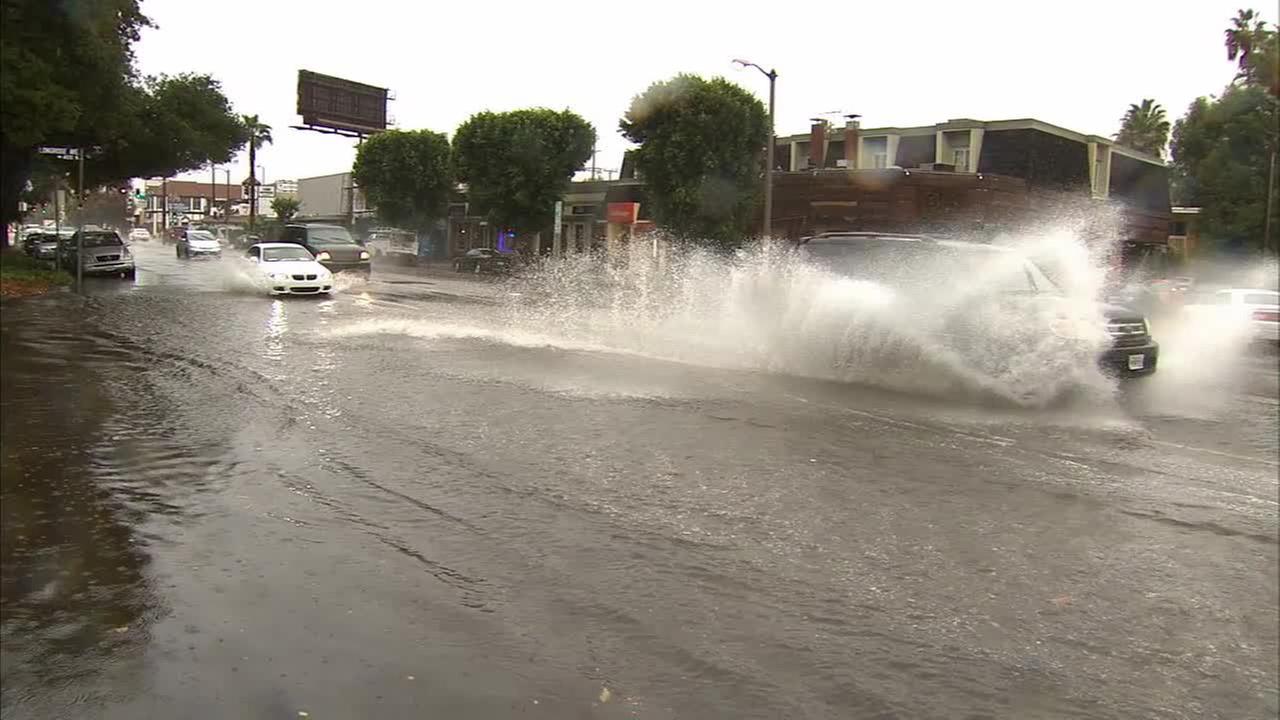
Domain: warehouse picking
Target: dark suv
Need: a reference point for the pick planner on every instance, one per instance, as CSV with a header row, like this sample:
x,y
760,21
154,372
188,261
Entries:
x,y
980,300
332,246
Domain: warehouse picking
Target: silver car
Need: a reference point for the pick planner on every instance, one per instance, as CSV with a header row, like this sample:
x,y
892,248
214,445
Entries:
x,y
102,252
198,243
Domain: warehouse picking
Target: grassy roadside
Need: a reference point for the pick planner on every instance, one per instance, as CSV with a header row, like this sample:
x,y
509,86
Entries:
x,y
21,276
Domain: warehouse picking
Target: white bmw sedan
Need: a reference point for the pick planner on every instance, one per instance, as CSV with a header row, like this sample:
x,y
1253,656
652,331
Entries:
x,y
288,269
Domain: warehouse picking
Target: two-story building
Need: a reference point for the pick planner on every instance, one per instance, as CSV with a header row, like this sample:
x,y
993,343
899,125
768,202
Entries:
x,y
989,173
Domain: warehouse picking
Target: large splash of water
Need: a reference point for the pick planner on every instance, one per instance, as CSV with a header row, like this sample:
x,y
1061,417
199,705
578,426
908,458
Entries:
x,y
772,309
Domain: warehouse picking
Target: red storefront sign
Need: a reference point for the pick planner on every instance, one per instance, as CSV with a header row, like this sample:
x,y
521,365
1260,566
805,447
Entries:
x,y
623,213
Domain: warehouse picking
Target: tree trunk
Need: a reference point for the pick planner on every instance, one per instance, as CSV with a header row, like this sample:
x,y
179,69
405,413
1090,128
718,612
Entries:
x,y
253,184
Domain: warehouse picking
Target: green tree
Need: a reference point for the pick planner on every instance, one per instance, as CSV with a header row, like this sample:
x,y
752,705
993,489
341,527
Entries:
x,y
1221,152
700,154
285,207
169,125
405,174
66,68
1255,48
68,80
257,134
1223,149
518,164
1144,127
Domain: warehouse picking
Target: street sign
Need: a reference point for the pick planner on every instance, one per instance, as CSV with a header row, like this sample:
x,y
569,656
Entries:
x,y
60,151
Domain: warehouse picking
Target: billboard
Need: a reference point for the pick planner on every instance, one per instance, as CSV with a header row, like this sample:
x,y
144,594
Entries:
x,y
341,105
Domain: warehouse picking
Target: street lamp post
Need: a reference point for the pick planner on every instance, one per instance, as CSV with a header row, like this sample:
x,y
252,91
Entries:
x,y
770,151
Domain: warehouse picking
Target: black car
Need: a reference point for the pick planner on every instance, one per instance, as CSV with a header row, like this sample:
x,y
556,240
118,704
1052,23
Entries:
x,y
483,260
978,287
332,245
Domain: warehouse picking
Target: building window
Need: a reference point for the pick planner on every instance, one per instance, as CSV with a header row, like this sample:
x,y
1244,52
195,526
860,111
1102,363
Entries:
x,y
1177,227
195,204
880,160
960,158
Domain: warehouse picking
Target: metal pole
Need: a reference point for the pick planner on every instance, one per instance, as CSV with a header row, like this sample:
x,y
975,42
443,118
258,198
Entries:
x,y
1267,244
57,220
213,190
253,183
80,230
351,192
164,206
768,167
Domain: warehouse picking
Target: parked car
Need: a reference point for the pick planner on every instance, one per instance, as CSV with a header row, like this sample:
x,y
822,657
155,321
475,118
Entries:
x,y
924,266
30,238
44,245
331,245
99,252
198,243
483,260
1259,308
289,269
139,234
393,244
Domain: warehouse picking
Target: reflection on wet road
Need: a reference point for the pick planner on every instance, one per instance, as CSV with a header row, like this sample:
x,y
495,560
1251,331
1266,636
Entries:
x,y
390,504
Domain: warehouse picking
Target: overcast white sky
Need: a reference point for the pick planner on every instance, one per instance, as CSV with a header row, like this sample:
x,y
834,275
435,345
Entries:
x,y
1076,64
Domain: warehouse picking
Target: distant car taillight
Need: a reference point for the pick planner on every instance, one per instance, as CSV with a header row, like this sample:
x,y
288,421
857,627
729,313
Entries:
x,y
1267,315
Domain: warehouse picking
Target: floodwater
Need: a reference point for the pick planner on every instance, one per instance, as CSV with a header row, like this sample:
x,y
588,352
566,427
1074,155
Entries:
x,y
421,499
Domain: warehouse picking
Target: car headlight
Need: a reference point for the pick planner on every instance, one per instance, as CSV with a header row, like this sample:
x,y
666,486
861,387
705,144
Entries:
x,y
364,254
322,256
279,276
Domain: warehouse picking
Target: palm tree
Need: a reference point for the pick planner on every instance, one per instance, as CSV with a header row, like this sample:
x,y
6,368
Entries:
x,y
1240,38
1144,127
259,135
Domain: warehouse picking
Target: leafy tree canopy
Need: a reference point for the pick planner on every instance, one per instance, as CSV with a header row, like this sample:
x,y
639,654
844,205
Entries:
x,y
1221,151
1144,127
1254,48
518,164
405,174
68,80
285,207
1222,148
700,153
170,125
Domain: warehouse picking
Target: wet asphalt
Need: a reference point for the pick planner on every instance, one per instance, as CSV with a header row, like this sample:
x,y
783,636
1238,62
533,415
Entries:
x,y
219,505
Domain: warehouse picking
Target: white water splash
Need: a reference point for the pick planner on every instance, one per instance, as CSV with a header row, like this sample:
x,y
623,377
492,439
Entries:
x,y
769,309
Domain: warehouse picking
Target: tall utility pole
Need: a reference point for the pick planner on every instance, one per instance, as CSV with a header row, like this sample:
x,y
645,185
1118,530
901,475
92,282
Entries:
x,y
80,231
770,150
1271,201
253,181
164,205
213,190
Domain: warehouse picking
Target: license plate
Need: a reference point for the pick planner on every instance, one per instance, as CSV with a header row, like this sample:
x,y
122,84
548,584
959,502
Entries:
x,y
1137,362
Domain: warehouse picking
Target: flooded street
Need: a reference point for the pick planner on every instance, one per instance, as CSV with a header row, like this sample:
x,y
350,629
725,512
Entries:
x,y
392,504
